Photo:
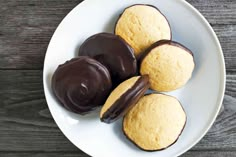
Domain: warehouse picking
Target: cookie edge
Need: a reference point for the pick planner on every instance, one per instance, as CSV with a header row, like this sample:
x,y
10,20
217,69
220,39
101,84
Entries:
x,y
120,15
142,91
72,60
186,119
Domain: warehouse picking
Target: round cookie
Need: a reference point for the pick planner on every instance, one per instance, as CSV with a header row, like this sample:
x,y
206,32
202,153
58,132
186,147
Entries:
x,y
155,122
168,64
114,53
81,84
142,25
123,97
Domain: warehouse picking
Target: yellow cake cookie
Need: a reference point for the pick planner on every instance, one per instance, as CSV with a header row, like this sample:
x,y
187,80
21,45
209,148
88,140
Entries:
x,y
123,97
168,64
155,122
141,26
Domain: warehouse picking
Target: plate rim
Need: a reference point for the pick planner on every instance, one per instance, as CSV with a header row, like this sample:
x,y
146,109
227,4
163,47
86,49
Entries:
x,y
222,84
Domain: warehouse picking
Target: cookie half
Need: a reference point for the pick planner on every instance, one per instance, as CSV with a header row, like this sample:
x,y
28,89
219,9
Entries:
x,y
114,53
168,64
124,97
142,25
155,122
81,84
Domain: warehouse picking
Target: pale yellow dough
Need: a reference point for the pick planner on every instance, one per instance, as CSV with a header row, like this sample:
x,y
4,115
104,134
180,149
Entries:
x,y
117,93
141,26
169,67
155,122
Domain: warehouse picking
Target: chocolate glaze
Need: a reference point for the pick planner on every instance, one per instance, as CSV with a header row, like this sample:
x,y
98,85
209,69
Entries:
x,y
81,84
114,53
163,42
128,99
138,57
156,149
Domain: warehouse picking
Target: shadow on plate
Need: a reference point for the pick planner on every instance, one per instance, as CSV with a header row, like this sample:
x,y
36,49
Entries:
x,y
110,25
118,131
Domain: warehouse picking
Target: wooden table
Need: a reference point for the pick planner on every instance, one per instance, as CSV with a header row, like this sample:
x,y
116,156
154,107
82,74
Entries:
x,y
26,126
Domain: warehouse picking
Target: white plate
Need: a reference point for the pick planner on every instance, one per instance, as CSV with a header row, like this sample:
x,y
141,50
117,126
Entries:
x,y
201,97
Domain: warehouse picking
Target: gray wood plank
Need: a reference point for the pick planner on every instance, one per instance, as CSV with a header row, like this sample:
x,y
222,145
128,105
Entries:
x,y
27,26
227,38
43,154
210,154
73,154
217,11
231,86
26,123
222,135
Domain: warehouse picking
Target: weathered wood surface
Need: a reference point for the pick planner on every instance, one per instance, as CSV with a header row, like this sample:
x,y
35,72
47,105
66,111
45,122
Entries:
x,y
26,123
209,154
26,27
26,126
72,154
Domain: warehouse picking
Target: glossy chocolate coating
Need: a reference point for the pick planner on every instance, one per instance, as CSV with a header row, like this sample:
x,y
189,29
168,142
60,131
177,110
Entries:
x,y
128,99
114,53
81,84
164,42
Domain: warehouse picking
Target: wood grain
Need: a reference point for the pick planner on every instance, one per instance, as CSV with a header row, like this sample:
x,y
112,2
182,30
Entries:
x,y
210,154
26,123
43,154
227,38
27,26
26,126
74,154
216,11
222,135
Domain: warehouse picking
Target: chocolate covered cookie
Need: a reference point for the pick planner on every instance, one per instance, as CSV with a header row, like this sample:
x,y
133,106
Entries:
x,y
155,122
123,97
81,84
114,53
168,64
141,26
